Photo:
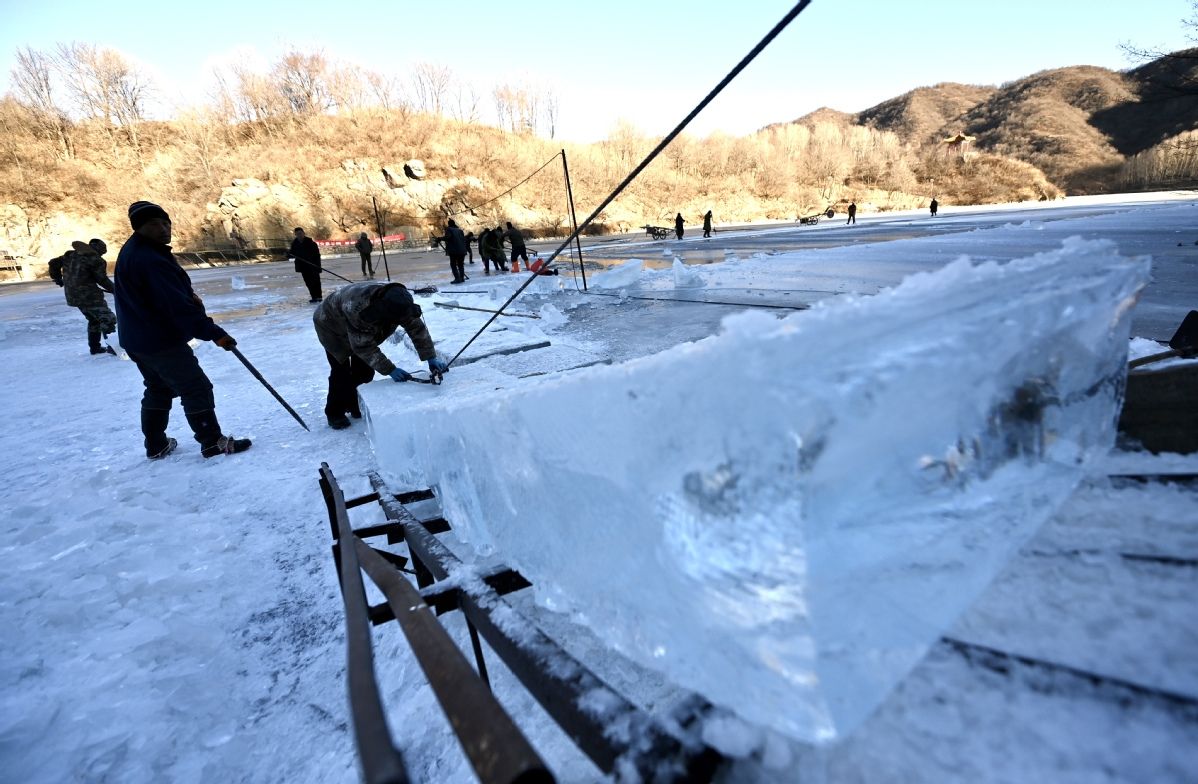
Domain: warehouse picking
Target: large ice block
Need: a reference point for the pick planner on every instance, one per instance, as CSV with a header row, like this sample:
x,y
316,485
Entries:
x,y
785,516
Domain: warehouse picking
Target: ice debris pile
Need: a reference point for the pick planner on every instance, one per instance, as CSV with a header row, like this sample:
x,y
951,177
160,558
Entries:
x,y
784,517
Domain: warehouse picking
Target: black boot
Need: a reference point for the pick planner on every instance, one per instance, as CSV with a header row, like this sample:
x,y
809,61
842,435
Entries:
x,y
212,442
226,445
93,343
153,427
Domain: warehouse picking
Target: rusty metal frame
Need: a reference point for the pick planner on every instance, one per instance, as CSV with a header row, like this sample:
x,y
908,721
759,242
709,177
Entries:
x,y
660,750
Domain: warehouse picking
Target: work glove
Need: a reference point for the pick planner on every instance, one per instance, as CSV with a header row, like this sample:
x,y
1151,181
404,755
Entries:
x,y
399,374
226,342
438,365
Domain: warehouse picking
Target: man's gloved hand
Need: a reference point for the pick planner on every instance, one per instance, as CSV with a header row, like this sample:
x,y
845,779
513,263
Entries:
x,y
438,365
399,374
226,342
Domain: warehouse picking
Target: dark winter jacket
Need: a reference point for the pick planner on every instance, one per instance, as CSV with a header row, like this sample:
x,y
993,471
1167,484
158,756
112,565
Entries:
x,y
85,278
156,307
515,237
455,242
364,246
306,253
343,330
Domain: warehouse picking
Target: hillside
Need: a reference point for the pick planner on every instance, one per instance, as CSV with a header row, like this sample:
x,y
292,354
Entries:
x,y
257,161
919,115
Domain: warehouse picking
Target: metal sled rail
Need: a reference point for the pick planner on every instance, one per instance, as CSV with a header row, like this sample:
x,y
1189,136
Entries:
x,y
561,684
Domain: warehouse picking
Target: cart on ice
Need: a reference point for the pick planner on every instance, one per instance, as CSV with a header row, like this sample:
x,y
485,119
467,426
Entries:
x,y
811,220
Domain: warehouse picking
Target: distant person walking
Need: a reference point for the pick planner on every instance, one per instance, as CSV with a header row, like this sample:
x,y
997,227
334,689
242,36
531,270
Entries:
x,y
470,240
934,206
519,250
307,262
707,224
852,214
85,281
365,248
678,221
157,313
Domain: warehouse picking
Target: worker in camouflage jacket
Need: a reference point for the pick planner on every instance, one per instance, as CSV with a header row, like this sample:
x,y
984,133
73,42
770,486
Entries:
x,y
85,281
351,324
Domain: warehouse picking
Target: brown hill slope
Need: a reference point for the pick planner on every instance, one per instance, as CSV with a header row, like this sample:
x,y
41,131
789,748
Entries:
x,y
919,115
1166,104
1044,119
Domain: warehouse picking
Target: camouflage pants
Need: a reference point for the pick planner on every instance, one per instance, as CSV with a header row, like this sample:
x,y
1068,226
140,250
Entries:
x,y
100,320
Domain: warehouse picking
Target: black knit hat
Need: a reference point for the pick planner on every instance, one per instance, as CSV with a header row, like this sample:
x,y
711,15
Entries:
x,y
394,304
142,212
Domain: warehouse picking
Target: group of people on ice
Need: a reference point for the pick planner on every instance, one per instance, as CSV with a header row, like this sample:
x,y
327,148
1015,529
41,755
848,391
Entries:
x,y
158,313
459,245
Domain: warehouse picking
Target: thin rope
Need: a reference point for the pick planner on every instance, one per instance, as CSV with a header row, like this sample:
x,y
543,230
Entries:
x,y
756,50
509,190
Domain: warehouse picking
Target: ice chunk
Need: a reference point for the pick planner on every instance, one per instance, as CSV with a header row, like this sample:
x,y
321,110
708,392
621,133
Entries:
x,y
237,282
686,277
785,516
621,277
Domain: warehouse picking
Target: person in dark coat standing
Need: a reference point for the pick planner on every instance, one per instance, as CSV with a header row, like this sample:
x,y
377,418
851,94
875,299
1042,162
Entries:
x,y
935,205
365,248
470,240
157,313
707,224
455,247
351,325
678,221
307,262
852,214
519,251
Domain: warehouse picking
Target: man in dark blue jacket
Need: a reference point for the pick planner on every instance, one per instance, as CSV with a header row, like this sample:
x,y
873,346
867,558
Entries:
x,y
307,262
157,312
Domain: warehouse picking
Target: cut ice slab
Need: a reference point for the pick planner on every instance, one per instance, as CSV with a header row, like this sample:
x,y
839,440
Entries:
x,y
785,517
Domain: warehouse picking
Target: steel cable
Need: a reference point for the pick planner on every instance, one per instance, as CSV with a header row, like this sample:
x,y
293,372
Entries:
x,y
748,58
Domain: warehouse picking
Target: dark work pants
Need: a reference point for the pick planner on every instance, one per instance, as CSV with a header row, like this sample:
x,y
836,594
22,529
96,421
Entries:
x,y
312,281
367,267
175,373
457,266
678,231
344,380
520,253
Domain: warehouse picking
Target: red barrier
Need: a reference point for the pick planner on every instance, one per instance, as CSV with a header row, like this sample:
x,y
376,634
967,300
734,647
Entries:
x,y
336,243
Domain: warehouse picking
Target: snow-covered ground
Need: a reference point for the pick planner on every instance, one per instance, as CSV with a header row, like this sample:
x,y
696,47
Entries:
x,y
180,620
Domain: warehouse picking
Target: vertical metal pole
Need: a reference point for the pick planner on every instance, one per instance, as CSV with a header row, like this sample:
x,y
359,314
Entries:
x,y
574,219
378,225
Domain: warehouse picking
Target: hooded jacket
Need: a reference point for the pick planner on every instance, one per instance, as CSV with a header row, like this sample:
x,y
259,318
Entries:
x,y
85,277
343,330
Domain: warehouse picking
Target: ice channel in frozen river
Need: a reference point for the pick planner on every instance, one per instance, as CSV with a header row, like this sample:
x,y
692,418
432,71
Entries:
x,y
784,517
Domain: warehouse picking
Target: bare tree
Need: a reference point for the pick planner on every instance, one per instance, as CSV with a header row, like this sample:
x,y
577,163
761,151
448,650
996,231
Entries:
x,y
105,85
465,103
551,107
431,83
32,81
303,82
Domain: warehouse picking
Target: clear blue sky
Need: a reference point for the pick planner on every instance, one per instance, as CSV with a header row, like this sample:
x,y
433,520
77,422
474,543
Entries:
x,y
645,62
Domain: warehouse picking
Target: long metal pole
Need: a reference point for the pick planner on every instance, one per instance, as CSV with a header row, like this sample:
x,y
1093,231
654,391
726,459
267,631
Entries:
x,y
574,219
378,225
269,388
